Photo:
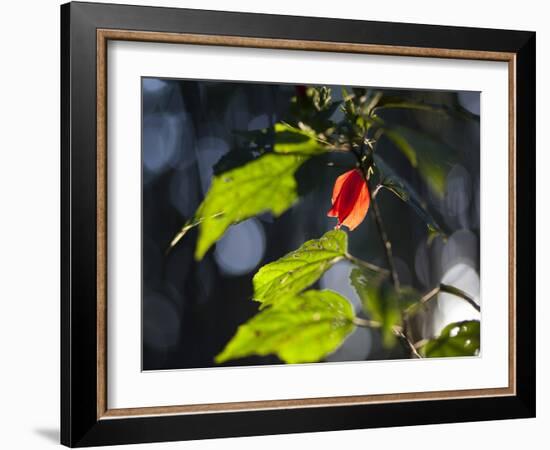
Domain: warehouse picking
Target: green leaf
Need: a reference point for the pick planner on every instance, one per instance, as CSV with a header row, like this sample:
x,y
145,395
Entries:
x,y
265,184
456,339
299,328
402,189
259,138
236,158
433,159
299,269
289,139
381,301
389,102
285,139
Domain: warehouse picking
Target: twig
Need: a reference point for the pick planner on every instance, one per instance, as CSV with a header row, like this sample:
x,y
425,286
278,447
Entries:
x,y
384,237
381,230
385,242
396,329
421,343
376,191
188,225
447,289
411,346
426,298
459,293
366,323
365,264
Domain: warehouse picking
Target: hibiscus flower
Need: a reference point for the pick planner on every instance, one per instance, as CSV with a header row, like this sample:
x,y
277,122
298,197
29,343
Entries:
x,y
350,199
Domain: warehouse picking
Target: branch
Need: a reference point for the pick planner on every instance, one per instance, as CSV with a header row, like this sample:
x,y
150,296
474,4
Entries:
x,y
338,148
365,264
381,229
411,346
396,329
447,289
385,241
192,223
459,293
366,323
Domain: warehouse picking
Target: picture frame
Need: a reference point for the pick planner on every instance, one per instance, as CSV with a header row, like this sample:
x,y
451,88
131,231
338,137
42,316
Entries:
x,y
86,418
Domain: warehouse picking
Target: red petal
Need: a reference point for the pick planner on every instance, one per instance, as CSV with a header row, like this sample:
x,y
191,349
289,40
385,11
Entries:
x,y
347,197
350,199
339,183
360,209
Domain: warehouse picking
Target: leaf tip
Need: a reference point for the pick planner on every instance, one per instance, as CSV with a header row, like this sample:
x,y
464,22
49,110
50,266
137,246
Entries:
x,y
220,358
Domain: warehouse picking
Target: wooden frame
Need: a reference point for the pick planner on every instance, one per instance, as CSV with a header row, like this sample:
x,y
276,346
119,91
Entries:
x,y
86,418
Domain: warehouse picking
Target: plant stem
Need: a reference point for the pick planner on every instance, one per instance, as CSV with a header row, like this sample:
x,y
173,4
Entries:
x,y
376,191
365,264
366,323
459,293
411,346
381,229
387,246
447,289
421,343
193,222
426,298
397,330
385,242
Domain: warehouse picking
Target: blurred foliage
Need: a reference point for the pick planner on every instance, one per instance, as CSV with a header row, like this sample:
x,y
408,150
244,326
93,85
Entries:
x,y
423,152
389,180
382,302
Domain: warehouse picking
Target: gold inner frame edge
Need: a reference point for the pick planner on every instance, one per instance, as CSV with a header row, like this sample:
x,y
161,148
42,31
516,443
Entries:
x,y
103,36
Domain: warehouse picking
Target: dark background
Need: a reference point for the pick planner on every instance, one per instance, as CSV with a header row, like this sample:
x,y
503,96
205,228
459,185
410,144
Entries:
x,y
191,309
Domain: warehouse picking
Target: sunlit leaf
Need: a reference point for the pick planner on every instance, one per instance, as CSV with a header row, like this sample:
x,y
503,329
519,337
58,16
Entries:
x,y
388,102
283,138
265,184
253,180
402,189
456,339
289,139
260,138
381,301
298,328
236,158
299,269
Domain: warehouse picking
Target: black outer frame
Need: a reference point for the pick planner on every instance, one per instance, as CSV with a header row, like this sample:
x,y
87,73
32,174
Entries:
x,y
79,423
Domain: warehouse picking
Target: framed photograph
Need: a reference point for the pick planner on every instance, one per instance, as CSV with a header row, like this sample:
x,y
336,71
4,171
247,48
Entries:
x,y
277,224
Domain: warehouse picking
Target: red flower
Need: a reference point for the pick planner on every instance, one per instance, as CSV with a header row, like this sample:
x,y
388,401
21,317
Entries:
x,y
350,199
